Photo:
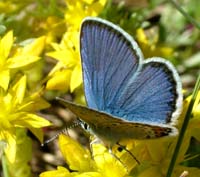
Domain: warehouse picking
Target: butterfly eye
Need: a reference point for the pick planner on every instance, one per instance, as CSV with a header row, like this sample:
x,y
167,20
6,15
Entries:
x,y
84,126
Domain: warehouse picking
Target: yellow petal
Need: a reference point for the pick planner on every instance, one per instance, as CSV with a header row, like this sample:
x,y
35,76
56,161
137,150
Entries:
x,y
77,157
64,56
5,46
70,40
55,46
194,125
89,174
20,61
24,119
11,148
60,172
34,104
88,1
79,96
58,67
184,148
152,171
76,78
59,81
19,90
35,48
107,164
38,132
154,145
103,2
95,8
4,78
141,36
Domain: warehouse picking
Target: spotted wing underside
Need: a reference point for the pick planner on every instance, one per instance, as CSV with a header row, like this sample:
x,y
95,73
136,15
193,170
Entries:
x,y
115,129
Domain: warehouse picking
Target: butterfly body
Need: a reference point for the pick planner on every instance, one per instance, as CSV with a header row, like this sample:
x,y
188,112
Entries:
x,y
128,97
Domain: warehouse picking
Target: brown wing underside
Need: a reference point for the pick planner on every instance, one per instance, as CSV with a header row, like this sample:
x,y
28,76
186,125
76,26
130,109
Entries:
x,y
108,127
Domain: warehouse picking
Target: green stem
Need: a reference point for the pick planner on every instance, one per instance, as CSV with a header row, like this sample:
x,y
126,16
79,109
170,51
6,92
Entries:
x,y
191,104
188,17
4,166
183,128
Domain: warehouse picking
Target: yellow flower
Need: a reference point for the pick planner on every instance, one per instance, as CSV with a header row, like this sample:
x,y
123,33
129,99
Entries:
x,y
84,8
18,111
67,74
22,57
150,47
103,164
152,161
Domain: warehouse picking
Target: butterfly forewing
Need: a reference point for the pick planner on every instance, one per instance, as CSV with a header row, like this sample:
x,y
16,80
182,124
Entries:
x,y
109,60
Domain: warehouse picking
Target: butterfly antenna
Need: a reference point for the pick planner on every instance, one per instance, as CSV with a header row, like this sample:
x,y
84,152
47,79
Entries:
x,y
124,148
64,131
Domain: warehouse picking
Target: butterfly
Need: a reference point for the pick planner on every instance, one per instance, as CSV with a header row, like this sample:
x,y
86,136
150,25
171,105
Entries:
x,y
127,97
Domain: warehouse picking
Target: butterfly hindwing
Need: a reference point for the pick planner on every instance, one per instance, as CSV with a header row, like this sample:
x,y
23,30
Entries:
x,y
153,97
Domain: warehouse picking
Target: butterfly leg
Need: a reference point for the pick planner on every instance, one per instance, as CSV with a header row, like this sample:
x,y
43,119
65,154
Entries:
x,y
124,148
95,141
110,151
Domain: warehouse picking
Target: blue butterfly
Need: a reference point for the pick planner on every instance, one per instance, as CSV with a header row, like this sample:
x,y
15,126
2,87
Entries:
x,y
127,97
